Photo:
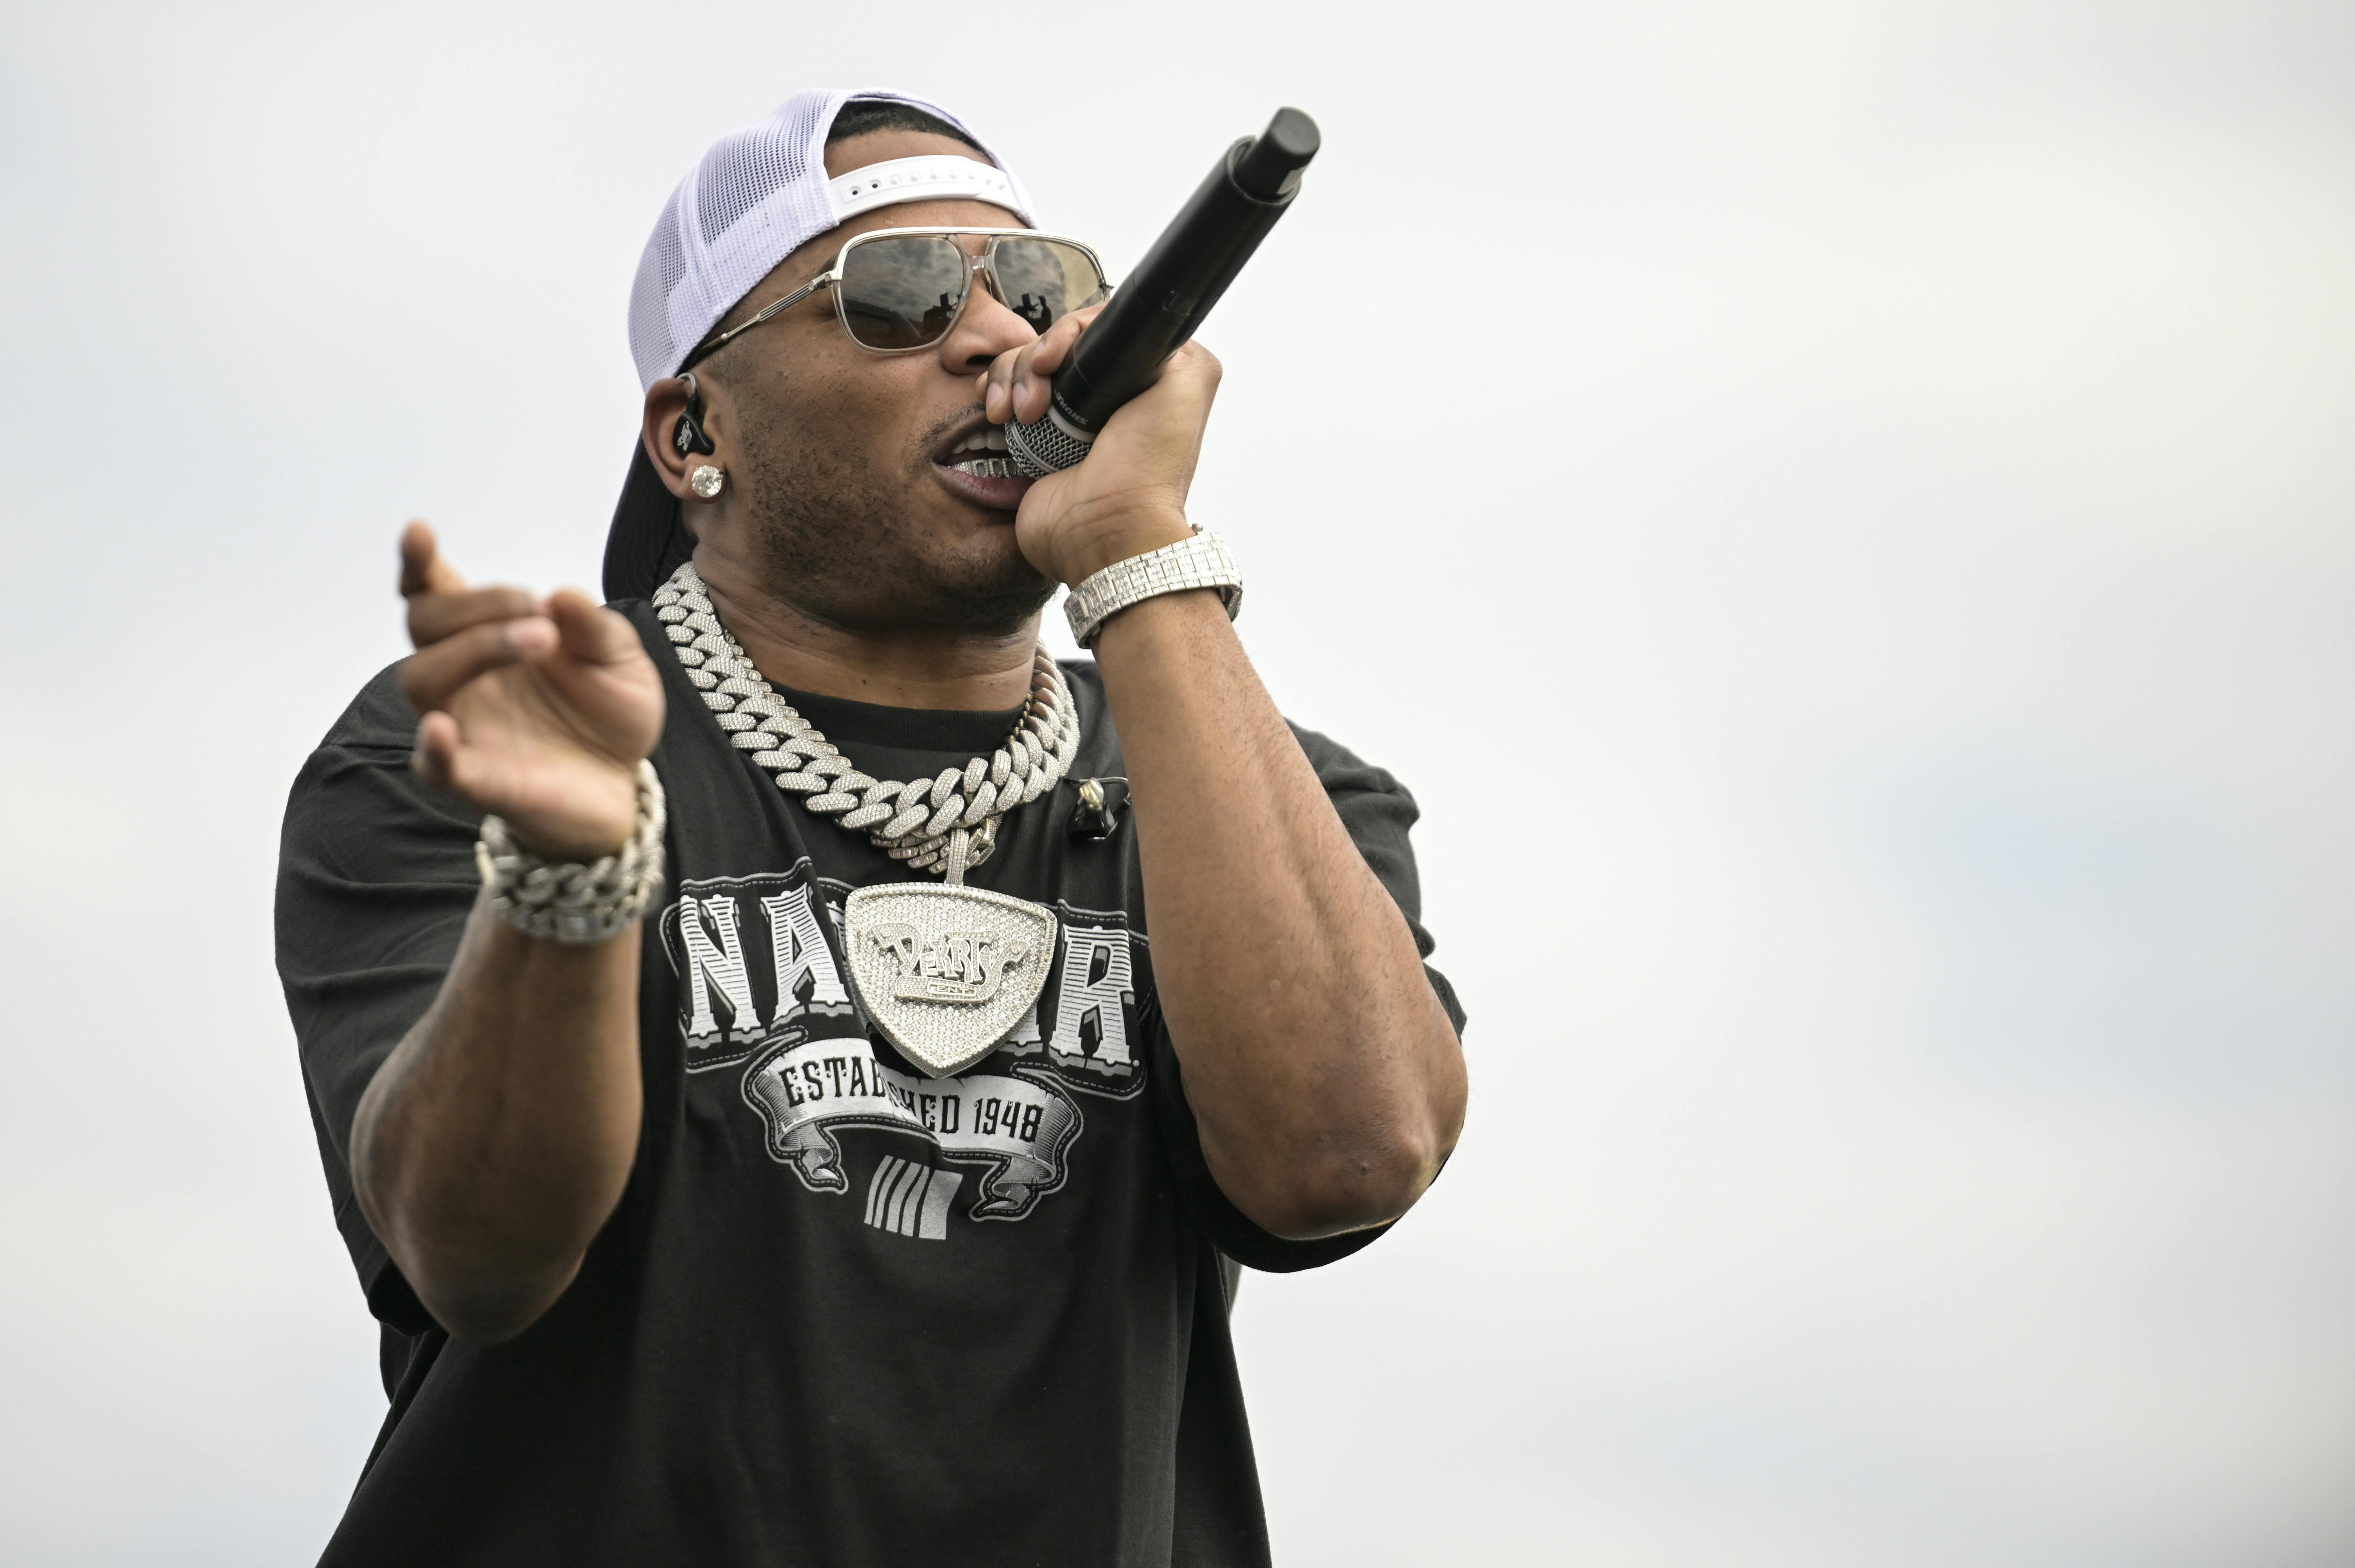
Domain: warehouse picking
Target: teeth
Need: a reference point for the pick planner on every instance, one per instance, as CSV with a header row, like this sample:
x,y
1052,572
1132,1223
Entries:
x,y
987,468
989,438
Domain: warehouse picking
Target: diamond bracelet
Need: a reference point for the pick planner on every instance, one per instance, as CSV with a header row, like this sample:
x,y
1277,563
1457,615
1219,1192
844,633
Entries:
x,y
569,902
1202,562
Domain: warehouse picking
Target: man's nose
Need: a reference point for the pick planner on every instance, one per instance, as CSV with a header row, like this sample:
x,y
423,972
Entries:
x,y
985,331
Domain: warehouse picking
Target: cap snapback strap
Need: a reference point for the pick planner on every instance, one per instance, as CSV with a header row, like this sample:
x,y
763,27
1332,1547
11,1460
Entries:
x,y
944,177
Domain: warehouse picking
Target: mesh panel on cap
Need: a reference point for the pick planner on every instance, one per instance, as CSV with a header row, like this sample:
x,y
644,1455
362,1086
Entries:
x,y
660,271
759,195
743,170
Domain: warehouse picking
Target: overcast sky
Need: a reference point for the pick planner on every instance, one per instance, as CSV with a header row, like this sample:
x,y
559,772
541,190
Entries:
x,y
1841,513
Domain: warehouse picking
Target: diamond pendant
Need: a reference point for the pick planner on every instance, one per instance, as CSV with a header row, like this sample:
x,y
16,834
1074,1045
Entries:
x,y
946,972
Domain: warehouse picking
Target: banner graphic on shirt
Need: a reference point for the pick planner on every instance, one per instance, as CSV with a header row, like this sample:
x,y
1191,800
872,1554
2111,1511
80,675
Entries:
x,y
1018,1124
760,986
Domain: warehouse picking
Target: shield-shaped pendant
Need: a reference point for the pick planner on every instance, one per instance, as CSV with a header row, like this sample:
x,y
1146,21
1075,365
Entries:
x,y
945,972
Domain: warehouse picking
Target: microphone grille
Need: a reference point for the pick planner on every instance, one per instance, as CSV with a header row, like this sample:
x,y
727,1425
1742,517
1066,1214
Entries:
x,y
1045,446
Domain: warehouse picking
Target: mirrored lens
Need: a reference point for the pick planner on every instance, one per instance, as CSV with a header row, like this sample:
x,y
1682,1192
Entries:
x,y
1042,281
903,291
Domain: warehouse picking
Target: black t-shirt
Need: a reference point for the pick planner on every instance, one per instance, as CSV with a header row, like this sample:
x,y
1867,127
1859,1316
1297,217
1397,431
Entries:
x,y
844,1314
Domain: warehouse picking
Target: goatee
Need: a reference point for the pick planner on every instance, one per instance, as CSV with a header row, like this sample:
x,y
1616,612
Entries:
x,y
836,539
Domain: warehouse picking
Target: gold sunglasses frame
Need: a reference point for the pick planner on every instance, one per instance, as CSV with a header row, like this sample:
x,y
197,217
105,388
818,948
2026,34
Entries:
x,y
832,277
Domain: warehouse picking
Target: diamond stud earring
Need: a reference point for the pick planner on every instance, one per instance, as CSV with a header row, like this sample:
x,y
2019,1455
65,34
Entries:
x,y
706,481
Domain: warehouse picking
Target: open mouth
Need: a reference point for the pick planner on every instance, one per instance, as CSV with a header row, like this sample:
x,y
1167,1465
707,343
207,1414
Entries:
x,y
980,454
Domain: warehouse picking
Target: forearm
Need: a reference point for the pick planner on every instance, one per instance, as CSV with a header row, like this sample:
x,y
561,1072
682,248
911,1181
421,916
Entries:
x,y
1323,1073
496,1139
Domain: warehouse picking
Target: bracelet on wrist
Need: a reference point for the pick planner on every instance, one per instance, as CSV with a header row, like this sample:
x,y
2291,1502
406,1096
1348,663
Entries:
x,y
574,901
1202,562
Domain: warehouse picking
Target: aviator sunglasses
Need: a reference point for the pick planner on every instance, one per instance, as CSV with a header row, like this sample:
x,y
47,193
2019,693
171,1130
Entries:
x,y
899,289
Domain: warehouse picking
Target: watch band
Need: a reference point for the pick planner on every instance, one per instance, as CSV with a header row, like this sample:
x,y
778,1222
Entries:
x,y
1202,562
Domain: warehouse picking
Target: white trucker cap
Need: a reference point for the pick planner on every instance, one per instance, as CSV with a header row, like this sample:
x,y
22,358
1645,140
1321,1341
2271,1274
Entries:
x,y
761,193
757,196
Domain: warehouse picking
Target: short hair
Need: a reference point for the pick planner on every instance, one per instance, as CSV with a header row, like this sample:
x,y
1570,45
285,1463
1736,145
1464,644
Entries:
x,y
862,115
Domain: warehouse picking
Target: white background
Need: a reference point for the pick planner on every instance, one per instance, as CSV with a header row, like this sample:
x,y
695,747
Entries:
x,y
1840,513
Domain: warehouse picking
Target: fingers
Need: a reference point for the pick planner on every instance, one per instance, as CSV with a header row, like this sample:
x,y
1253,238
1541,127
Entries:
x,y
474,632
1192,357
996,385
1191,378
591,633
431,677
422,570
443,759
565,814
1048,354
1015,389
433,618
440,605
435,758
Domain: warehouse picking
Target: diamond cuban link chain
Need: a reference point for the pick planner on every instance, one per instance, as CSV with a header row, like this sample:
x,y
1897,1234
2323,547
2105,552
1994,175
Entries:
x,y
912,822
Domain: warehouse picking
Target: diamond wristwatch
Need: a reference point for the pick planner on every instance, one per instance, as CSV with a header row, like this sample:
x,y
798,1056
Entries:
x,y
1202,562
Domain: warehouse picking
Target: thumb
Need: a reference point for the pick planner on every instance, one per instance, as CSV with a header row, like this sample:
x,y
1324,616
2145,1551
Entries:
x,y
590,632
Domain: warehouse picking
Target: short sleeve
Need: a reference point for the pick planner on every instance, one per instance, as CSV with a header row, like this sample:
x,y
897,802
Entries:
x,y
1378,812
376,878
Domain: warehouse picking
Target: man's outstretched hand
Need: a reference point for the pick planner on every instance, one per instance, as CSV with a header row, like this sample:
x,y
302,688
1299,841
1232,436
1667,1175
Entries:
x,y
538,710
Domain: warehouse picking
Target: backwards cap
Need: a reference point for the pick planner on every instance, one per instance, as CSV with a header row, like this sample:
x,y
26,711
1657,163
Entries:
x,y
761,193
757,196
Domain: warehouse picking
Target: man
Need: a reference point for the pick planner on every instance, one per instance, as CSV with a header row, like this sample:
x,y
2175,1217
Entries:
x,y
872,1199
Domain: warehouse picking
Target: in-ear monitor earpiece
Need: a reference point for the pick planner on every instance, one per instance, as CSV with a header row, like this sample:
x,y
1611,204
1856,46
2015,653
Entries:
x,y
687,436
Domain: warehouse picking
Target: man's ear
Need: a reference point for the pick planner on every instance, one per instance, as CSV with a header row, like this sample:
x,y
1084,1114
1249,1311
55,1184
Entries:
x,y
680,429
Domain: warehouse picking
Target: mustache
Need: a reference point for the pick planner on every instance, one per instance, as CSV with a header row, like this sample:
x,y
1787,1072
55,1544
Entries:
x,y
928,441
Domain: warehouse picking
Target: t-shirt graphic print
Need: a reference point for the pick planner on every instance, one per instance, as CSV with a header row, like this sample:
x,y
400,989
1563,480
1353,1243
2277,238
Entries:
x,y
760,991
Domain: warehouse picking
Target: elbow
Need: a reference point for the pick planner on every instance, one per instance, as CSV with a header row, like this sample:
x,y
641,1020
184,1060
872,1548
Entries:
x,y
487,1312
1354,1181
1308,1182
484,1293
483,1288
486,1259
1355,1195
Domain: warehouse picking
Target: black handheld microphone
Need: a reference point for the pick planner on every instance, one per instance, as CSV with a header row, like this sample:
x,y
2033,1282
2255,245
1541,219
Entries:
x,y
1157,308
